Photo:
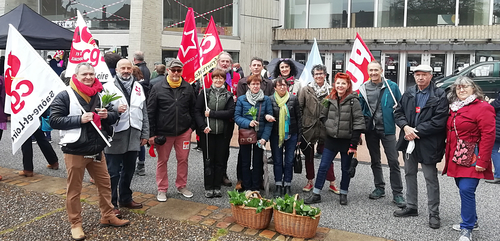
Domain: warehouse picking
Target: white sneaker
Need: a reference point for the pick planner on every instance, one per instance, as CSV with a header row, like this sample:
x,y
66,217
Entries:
x,y
161,197
457,227
185,192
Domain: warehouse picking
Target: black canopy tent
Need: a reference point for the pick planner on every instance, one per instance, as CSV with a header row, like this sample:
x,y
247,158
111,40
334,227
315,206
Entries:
x,y
40,32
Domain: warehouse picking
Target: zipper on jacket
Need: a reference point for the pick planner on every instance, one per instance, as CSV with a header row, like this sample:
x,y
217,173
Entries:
x,y
176,115
217,108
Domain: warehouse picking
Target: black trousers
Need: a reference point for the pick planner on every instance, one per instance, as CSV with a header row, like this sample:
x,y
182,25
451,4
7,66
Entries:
x,y
215,160
45,147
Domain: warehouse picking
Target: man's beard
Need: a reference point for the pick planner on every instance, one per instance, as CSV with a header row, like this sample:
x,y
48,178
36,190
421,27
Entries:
x,y
225,70
123,77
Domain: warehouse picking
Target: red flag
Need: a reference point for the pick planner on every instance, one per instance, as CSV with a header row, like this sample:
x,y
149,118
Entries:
x,y
357,67
210,49
189,53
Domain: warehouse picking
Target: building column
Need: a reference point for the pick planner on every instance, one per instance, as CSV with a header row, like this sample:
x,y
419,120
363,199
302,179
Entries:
x,y
257,18
146,25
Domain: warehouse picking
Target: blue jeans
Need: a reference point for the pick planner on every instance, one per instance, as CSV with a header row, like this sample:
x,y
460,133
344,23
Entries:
x,y
121,168
283,170
467,187
252,178
495,156
326,161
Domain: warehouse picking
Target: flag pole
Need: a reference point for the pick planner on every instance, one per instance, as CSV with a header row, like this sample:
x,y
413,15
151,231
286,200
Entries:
x,y
97,128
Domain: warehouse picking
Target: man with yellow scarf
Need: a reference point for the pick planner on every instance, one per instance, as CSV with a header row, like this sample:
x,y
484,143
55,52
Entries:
x,y
285,134
171,108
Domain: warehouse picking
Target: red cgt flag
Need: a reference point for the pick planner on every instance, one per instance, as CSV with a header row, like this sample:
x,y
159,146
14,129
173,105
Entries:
x,y
189,53
357,67
210,49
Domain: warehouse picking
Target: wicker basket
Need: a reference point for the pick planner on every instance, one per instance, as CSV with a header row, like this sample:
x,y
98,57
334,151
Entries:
x,y
247,216
294,225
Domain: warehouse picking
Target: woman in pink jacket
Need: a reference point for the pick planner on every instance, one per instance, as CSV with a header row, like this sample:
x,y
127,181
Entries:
x,y
471,120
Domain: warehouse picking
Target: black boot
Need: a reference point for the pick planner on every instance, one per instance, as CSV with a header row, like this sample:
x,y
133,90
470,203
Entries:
x,y
278,191
314,198
288,190
343,199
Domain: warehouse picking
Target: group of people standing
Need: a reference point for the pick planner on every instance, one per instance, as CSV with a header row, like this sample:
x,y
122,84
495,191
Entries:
x,y
282,113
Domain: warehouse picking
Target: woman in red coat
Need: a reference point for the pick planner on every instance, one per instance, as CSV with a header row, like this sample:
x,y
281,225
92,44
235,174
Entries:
x,y
471,119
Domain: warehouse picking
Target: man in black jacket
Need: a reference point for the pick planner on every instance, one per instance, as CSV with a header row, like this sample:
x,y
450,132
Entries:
x,y
82,145
422,116
171,106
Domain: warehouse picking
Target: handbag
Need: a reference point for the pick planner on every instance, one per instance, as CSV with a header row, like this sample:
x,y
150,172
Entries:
x,y
45,124
465,153
248,136
297,161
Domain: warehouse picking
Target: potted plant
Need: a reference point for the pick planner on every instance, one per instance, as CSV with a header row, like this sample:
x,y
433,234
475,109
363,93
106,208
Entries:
x,y
294,218
250,209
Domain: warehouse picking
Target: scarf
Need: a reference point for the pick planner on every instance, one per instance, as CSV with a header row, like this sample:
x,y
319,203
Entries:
x,y
458,104
86,93
284,118
320,91
254,98
126,83
229,81
172,83
290,80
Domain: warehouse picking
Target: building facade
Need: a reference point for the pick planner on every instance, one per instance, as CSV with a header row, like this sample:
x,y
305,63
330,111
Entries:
x,y
155,26
448,34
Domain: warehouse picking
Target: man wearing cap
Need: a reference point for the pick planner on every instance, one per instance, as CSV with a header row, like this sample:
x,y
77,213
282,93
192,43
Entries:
x,y
171,116
422,114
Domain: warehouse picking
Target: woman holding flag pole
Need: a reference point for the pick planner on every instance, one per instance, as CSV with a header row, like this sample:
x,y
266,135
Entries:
x,y
212,115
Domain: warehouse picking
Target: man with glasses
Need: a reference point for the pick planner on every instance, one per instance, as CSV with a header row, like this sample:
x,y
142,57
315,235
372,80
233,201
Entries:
x,y
171,106
422,115
378,98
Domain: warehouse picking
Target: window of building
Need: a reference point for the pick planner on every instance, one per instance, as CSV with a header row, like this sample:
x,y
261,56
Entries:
x,y
362,13
390,13
474,12
174,13
295,12
328,13
431,13
496,12
103,14
286,53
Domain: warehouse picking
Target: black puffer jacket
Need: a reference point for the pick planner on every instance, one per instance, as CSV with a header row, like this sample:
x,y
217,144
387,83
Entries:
x,y
295,115
59,119
171,110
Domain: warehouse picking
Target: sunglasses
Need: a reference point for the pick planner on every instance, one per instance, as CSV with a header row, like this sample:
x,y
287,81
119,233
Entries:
x,y
176,70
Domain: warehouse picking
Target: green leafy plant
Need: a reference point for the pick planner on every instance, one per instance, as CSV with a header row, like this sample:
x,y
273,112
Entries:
x,y
236,198
325,102
108,98
286,205
253,112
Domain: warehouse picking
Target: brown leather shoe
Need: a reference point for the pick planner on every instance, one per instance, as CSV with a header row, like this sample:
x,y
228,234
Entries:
x,y
54,166
115,222
238,185
226,182
117,213
77,233
26,173
131,205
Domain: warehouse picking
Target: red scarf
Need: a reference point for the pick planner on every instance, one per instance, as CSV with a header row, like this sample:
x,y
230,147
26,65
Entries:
x,y
86,92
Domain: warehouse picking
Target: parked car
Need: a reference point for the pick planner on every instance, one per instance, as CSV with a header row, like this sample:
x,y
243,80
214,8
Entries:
x,y
485,74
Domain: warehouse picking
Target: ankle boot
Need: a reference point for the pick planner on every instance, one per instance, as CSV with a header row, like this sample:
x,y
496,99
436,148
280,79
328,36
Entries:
x,y
287,190
114,221
278,191
77,233
343,199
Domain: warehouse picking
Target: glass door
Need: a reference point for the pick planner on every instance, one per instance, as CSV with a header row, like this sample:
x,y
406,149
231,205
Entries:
x,y
391,66
412,61
460,62
438,62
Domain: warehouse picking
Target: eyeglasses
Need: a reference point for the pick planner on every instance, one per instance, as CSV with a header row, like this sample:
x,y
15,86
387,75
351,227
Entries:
x,y
176,70
319,74
463,87
281,86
